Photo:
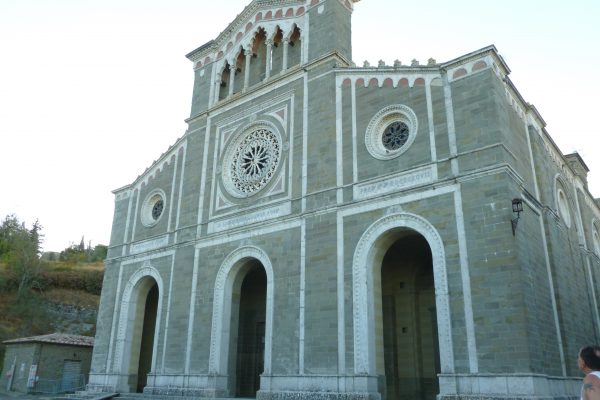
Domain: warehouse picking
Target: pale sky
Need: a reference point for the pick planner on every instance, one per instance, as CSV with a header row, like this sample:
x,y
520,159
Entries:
x,y
91,92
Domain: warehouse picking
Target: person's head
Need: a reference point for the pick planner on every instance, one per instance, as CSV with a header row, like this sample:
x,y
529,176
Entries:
x,y
589,360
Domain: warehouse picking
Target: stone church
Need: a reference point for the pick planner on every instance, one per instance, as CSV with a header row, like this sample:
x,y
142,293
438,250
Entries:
x,y
330,231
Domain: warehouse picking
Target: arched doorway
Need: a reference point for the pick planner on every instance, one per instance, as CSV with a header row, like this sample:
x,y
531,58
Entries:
x,y
242,326
407,344
250,340
140,313
398,238
147,337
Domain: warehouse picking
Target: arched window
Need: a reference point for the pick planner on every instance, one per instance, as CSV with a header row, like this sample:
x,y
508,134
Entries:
x,y
596,237
563,207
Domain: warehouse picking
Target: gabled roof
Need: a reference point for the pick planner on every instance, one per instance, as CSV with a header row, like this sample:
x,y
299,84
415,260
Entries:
x,y
56,338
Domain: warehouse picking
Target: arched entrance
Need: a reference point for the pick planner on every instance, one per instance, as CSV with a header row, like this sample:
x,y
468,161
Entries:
x,y
401,315
138,323
242,322
250,302
407,330
147,337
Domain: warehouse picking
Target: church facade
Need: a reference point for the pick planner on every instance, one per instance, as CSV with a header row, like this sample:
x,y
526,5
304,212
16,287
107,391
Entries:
x,y
328,231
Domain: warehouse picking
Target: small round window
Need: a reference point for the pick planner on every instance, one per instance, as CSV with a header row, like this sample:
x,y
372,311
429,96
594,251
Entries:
x,y
153,208
395,135
391,132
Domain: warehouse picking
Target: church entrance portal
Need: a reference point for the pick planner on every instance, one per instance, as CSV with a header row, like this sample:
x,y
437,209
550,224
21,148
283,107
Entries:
x,y
250,299
147,337
407,343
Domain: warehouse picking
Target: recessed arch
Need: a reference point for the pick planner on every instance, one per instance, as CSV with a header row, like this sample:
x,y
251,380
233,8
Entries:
x,y
563,200
459,73
479,65
230,269
596,236
132,304
369,253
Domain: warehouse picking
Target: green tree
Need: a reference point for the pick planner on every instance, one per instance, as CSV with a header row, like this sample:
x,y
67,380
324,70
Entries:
x,y
99,253
20,249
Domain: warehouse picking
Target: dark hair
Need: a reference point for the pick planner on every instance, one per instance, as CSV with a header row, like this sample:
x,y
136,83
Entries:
x,y
589,357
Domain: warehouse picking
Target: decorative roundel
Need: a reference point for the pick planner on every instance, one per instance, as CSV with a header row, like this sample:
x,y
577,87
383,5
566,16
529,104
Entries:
x,y
391,132
563,208
153,208
251,160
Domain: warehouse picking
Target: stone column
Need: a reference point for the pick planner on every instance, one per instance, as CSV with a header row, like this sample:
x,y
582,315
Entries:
x,y
286,45
269,56
248,54
232,70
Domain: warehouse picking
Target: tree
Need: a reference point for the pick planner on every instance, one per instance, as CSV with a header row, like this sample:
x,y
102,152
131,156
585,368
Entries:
x,y
20,249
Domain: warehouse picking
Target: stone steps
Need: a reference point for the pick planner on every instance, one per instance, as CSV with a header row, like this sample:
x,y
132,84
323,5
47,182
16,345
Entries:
x,y
131,396
87,396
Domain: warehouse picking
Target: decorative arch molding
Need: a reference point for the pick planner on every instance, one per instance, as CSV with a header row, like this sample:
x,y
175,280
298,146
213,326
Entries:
x,y
398,79
138,281
369,253
220,331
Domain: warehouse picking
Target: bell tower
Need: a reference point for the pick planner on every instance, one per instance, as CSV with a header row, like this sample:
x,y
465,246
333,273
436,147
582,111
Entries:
x,y
329,28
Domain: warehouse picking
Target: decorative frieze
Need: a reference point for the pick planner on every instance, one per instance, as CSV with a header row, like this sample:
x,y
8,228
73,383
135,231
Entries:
x,y
249,219
148,245
389,184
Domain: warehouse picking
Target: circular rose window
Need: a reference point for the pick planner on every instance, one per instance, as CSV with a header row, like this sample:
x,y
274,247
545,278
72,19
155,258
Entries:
x,y
391,132
153,208
251,160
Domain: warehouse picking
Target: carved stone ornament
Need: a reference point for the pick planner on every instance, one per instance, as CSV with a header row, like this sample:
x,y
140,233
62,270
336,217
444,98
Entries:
x,y
251,160
391,132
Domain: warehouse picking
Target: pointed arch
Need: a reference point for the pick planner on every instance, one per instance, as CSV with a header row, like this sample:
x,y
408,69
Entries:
x,y
369,253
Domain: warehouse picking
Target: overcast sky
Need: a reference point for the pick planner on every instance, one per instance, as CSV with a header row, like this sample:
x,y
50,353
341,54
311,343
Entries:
x,y
91,92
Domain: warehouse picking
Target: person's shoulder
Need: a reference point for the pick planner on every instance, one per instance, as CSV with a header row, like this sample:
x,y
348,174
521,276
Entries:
x,y
593,378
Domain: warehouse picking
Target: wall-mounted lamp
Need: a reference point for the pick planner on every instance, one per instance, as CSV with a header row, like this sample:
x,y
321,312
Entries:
x,y
517,208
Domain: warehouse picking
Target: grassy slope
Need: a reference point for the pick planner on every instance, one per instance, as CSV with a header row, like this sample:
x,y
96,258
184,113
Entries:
x,y
29,316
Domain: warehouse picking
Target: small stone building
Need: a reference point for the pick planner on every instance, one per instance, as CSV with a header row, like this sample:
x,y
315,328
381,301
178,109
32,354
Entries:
x,y
330,231
47,363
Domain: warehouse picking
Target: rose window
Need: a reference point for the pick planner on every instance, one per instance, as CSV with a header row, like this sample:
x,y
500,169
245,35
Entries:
x,y
153,207
395,135
391,132
157,209
251,162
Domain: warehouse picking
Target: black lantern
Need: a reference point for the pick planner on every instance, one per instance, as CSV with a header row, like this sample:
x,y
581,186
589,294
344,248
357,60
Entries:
x,y
517,208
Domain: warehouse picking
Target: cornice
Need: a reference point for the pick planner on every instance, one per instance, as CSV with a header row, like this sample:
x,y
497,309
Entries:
x,y
469,57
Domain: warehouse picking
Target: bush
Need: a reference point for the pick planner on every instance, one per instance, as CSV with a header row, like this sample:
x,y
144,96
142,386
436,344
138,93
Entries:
x,y
89,281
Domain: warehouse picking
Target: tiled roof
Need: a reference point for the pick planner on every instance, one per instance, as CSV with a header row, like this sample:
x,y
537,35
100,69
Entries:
x,y
56,338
